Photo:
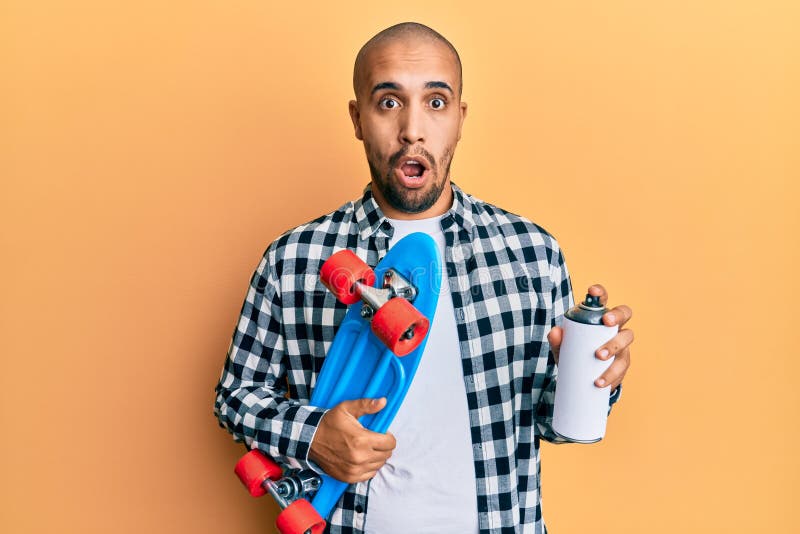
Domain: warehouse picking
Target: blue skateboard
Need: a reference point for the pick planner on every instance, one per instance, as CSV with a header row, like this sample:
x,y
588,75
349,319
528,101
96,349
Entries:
x,y
375,353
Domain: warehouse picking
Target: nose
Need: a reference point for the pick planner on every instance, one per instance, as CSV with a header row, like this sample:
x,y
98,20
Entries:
x,y
412,125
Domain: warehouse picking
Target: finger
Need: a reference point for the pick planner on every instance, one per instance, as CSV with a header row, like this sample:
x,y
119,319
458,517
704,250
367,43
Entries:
x,y
364,460
618,315
363,478
359,407
554,337
616,371
597,290
361,453
375,461
615,345
383,442
360,473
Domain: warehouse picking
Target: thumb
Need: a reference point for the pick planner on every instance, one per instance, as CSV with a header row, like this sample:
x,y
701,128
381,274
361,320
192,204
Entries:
x,y
359,407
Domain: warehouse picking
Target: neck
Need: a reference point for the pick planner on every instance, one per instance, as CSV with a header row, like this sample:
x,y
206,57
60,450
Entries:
x,y
440,207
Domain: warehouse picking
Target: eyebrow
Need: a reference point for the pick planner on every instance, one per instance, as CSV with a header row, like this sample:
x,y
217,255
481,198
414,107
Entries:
x,y
385,85
439,85
396,87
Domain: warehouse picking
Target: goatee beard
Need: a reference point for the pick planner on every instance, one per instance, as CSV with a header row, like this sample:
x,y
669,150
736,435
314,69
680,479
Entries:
x,y
399,197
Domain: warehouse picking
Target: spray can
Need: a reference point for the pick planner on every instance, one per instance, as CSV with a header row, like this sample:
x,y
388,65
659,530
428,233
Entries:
x,y
580,408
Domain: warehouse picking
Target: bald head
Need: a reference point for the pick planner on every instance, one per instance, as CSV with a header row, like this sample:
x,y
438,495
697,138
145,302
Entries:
x,y
408,32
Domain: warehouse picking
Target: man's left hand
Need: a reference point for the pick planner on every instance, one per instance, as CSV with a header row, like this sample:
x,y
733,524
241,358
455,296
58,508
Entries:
x,y
619,345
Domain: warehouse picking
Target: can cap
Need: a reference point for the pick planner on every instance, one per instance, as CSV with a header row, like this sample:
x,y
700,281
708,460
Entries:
x,y
590,311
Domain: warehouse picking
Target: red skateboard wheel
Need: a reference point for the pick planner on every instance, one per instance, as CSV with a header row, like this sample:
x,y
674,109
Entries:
x,y
340,273
298,518
400,326
253,469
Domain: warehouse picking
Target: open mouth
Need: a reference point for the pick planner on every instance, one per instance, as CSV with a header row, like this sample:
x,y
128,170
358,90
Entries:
x,y
412,172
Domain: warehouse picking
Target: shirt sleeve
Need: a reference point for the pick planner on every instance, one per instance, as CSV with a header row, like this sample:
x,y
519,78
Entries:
x,y
562,300
251,401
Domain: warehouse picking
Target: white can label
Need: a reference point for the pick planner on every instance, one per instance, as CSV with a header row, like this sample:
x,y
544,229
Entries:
x,y
581,408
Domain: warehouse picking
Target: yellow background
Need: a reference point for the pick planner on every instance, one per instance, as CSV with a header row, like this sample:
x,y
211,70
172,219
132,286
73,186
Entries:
x,y
149,151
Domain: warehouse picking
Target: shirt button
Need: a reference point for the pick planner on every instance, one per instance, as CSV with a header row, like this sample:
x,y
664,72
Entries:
x,y
359,509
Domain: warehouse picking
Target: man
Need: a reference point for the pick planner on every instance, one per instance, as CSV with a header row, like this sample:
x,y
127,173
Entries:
x,y
462,454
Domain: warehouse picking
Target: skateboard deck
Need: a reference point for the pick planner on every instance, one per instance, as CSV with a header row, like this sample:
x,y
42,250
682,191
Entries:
x,y
360,362
359,365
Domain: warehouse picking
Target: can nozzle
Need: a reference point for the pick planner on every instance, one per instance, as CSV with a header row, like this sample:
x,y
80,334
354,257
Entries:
x,y
592,302
590,311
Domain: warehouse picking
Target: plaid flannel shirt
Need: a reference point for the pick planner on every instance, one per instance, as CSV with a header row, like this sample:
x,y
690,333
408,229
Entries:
x,y
509,285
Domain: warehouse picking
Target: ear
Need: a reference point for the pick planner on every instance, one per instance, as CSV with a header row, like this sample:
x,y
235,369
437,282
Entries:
x,y
355,116
463,110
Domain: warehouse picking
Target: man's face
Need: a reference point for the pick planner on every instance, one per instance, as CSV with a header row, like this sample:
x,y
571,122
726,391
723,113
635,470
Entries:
x,y
409,116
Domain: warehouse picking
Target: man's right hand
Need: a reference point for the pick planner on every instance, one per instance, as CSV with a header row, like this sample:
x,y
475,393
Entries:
x,y
344,449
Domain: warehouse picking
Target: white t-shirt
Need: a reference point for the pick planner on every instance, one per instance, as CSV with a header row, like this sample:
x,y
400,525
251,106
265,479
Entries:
x,y
428,485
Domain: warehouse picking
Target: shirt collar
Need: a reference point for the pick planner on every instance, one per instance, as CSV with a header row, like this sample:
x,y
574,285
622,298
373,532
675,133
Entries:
x,y
371,219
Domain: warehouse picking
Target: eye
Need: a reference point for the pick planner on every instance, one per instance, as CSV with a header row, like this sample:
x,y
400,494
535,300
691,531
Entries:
x,y
388,103
437,103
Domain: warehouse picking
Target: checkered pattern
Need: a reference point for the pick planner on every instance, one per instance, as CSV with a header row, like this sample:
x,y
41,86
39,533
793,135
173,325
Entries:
x,y
510,286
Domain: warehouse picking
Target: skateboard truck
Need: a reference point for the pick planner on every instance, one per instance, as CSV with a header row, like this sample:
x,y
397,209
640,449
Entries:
x,y
394,285
260,475
294,485
395,321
